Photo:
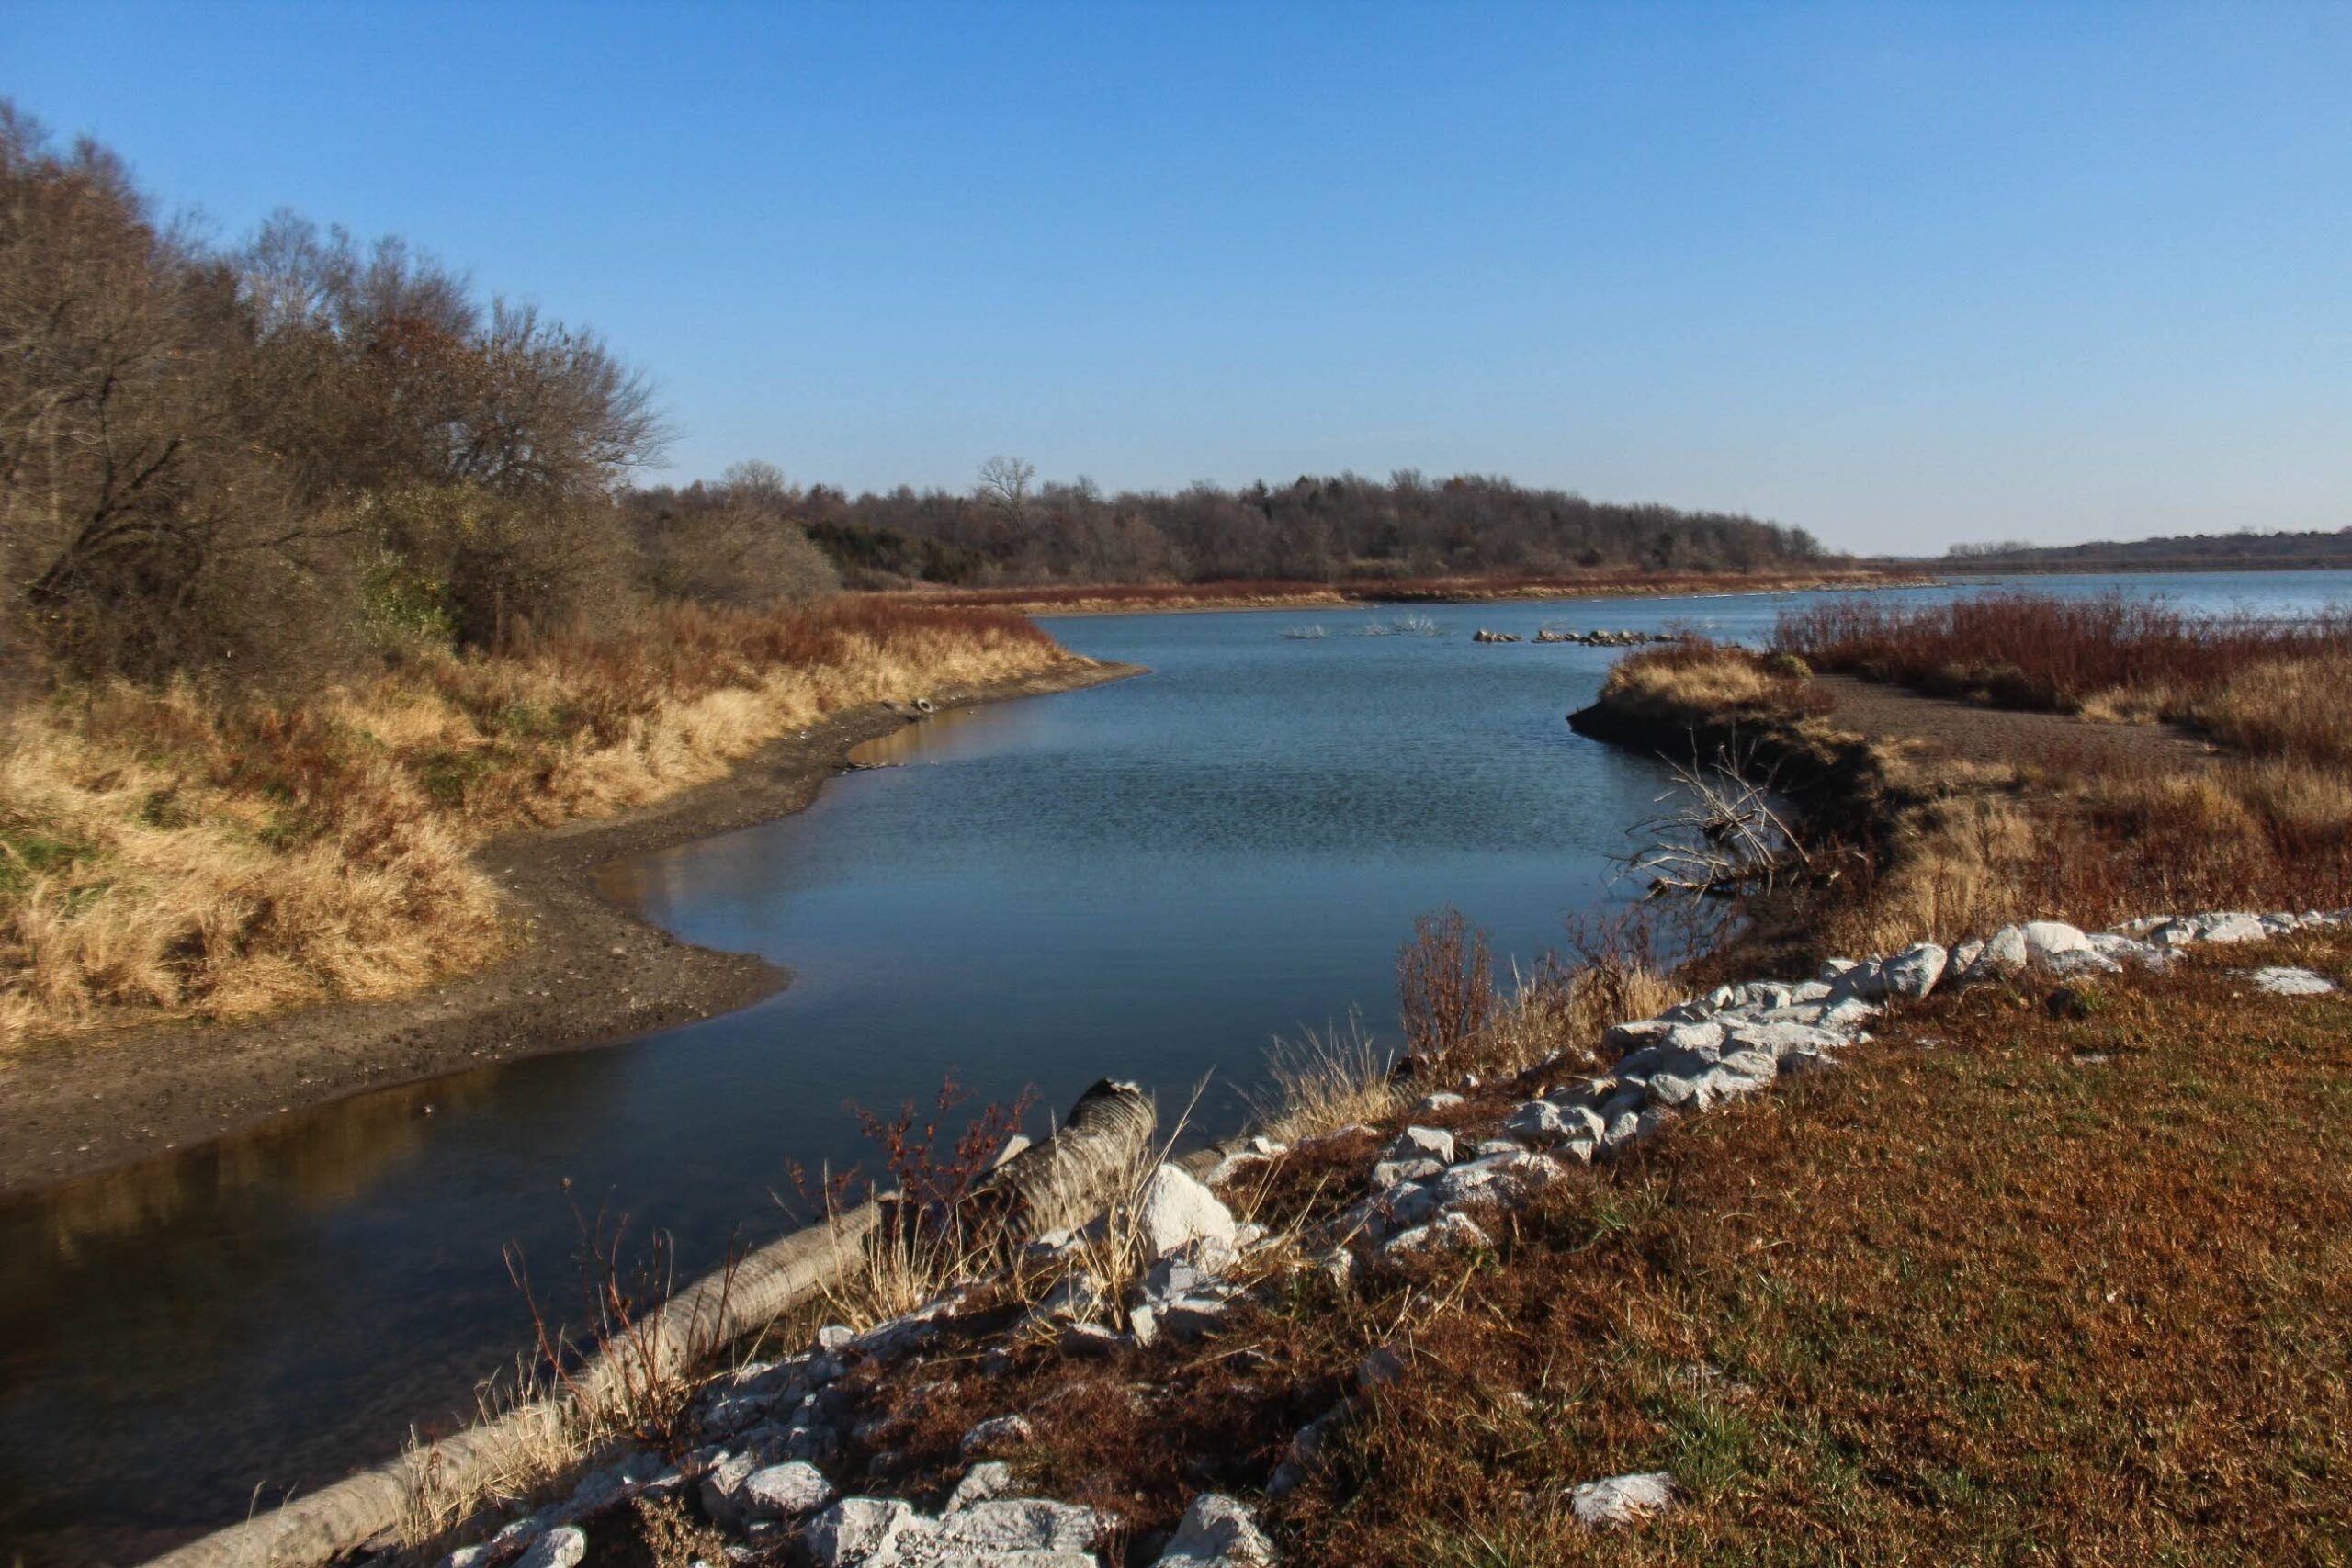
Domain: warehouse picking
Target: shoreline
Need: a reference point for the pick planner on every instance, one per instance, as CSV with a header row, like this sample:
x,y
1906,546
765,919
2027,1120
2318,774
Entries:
x,y
586,973
1175,600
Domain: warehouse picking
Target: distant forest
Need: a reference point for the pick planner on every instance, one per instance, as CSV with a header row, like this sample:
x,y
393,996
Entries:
x,y
1011,529
2181,552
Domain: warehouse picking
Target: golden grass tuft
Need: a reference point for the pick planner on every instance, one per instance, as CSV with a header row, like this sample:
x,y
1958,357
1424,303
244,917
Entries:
x,y
2288,708
164,854
1322,1082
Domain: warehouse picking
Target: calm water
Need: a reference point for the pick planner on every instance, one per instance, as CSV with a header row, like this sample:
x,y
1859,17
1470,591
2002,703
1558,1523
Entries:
x,y
1146,880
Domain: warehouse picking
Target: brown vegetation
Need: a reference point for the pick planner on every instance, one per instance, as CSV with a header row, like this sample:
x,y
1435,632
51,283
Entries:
x,y
1009,529
1944,850
1276,592
2112,657
172,852
2013,1289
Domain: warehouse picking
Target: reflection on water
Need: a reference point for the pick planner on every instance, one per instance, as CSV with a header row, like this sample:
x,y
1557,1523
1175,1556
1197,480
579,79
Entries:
x,y
318,1163
1146,880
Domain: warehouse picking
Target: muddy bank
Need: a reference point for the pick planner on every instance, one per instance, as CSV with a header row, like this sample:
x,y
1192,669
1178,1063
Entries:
x,y
583,972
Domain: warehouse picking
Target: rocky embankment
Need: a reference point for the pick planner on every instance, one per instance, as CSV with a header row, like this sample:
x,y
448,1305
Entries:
x,y
792,1461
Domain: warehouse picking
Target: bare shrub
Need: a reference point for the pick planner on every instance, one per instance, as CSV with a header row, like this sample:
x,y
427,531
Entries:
x,y
1723,834
1445,986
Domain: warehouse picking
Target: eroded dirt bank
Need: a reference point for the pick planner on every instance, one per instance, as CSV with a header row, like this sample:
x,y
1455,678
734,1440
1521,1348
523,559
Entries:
x,y
582,973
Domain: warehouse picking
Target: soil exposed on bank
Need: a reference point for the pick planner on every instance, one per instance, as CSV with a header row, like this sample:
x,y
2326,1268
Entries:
x,y
583,972
1970,732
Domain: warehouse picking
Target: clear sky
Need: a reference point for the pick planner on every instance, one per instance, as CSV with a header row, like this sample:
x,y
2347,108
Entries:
x,y
1904,275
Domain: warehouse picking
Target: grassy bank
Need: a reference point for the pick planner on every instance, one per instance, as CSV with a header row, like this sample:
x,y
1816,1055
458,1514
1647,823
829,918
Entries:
x,y
169,852
1277,593
2261,819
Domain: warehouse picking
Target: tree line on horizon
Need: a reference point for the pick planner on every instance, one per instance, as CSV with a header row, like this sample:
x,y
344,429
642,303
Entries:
x,y
1011,529
270,462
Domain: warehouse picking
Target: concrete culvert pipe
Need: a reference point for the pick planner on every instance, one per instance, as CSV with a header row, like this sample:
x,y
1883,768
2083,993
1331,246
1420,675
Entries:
x,y
1063,1181
1067,1179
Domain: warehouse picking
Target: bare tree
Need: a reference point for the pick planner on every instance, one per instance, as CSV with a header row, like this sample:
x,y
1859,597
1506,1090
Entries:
x,y
1004,488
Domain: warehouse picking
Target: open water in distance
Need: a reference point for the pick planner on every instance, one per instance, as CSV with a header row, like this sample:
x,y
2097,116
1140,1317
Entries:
x,y
1146,880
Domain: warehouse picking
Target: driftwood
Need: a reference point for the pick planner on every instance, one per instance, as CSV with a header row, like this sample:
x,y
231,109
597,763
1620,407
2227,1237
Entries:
x,y
1063,1181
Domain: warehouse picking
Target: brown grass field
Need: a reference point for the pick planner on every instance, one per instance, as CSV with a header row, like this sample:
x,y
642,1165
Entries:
x,y
165,854
2262,818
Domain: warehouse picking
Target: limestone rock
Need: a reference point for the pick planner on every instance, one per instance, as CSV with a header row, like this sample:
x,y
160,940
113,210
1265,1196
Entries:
x,y
1621,1499
1914,971
982,1484
1004,1524
1422,1142
998,1434
2046,939
868,1532
1176,1210
1218,1532
786,1490
2282,981
562,1546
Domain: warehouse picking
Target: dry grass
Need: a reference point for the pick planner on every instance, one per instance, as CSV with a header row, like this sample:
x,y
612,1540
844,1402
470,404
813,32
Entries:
x,y
163,855
2128,656
1322,1082
2066,1292
1698,680
1946,851
2286,707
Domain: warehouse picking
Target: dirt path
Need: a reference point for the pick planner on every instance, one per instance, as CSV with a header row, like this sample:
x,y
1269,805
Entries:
x,y
586,973
1969,733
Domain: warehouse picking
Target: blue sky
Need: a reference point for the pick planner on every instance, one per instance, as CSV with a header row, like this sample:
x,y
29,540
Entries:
x,y
1904,275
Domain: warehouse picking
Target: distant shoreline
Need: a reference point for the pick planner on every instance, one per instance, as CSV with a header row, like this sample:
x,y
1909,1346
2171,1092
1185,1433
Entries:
x,y
1177,598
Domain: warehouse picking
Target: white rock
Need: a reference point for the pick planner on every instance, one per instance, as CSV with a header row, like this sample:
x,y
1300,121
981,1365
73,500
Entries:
x,y
1422,1142
1777,1040
1017,1525
997,1433
2005,952
2046,939
562,1546
866,1530
1447,1231
1389,1172
1914,971
786,1490
2230,928
1621,1499
982,1484
1445,1099
1543,1122
1218,1532
1177,1210
2282,981
1965,957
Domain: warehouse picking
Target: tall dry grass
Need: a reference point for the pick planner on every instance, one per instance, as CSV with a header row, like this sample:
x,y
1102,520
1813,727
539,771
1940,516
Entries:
x,y
2112,657
168,853
1696,679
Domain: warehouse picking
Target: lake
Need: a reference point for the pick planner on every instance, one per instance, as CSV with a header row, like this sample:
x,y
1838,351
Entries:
x,y
1146,880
